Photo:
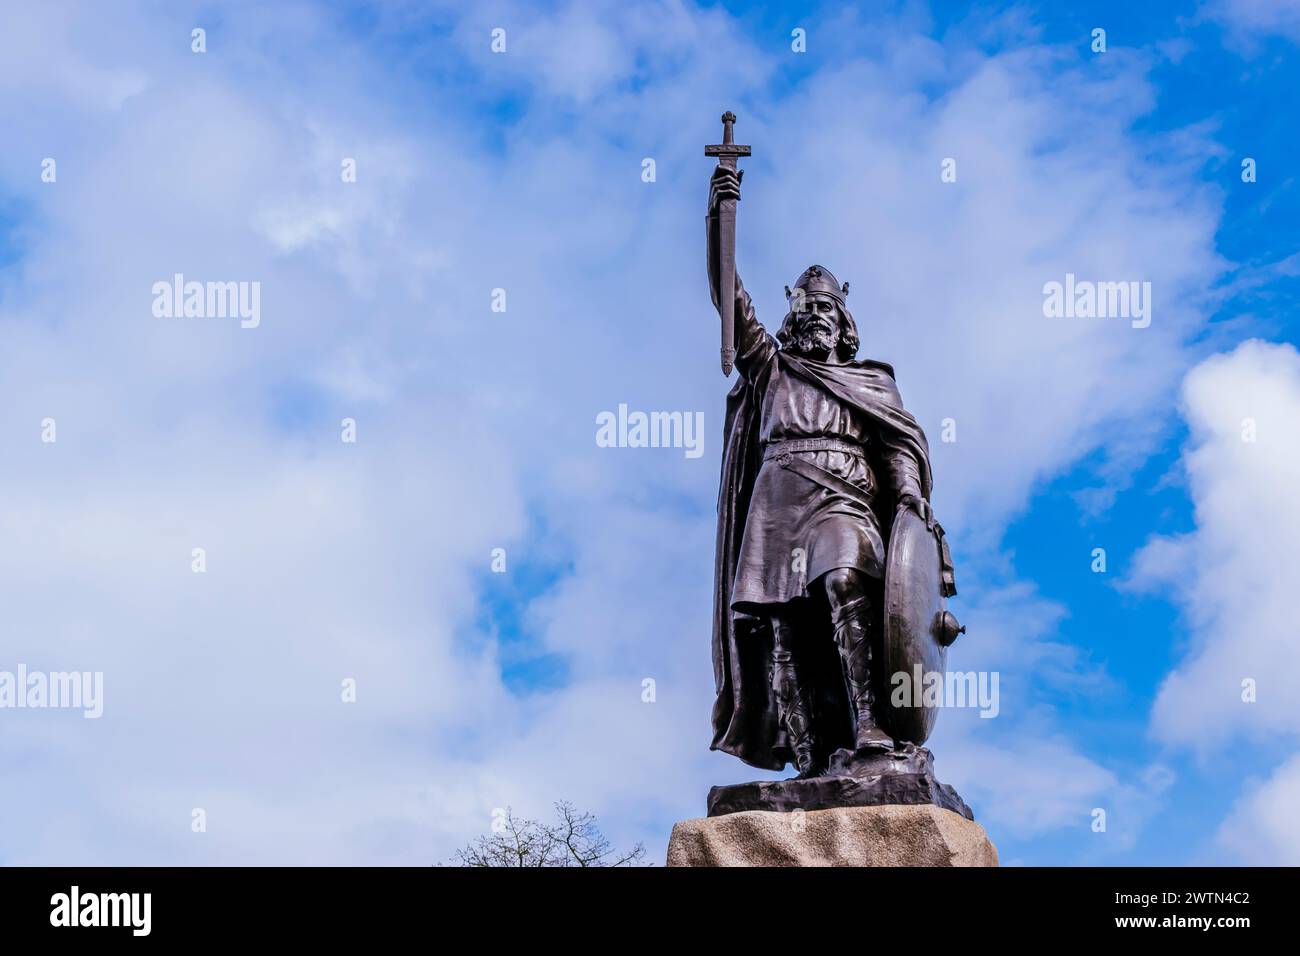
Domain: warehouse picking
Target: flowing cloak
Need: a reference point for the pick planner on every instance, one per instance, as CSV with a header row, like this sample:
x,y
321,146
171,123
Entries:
x,y
744,712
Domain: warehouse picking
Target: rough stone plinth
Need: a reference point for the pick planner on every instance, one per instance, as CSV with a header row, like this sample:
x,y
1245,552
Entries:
x,y
899,835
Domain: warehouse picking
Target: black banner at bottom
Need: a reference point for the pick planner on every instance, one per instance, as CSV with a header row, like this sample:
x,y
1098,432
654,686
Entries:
x,y
90,905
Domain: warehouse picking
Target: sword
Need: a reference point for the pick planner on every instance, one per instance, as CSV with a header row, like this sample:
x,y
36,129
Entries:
x,y
727,153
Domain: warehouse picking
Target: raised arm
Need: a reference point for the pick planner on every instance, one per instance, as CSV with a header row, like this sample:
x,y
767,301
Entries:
x,y
754,347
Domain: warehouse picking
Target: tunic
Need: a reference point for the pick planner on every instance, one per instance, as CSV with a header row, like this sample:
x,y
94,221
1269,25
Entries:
x,y
797,529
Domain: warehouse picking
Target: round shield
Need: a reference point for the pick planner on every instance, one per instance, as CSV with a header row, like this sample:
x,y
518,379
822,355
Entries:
x,y
917,630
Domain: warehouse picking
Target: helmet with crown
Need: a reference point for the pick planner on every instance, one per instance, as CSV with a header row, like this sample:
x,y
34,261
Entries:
x,y
817,280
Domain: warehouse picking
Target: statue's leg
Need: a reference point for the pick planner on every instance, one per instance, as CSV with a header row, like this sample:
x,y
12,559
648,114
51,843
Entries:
x,y
792,705
850,603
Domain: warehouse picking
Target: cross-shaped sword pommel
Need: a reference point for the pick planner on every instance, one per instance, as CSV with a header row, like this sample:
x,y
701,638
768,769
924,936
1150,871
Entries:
x,y
727,151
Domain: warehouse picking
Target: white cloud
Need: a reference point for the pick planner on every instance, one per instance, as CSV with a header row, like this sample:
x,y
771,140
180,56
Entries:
x,y
32,41
1250,20
1262,829
1236,586
1230,573
1041,783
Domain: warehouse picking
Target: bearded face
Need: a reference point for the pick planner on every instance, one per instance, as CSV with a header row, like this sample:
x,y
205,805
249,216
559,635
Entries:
x,y
816,330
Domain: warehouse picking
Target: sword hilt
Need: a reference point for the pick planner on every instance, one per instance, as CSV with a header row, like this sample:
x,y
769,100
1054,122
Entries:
x,y
727,149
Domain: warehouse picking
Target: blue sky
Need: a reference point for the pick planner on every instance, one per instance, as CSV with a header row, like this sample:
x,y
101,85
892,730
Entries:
x,y
371,561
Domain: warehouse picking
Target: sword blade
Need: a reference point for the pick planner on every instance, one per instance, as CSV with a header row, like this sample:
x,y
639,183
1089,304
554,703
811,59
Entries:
x,y
727,279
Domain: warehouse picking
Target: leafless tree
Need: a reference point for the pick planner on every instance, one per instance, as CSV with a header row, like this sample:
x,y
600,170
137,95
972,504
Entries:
x,y
573,840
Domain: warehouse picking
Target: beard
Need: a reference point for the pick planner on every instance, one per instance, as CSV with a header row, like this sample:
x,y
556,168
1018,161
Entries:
x,y
814,338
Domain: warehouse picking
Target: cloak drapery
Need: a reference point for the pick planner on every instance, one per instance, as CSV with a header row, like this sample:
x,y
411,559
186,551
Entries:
x,y
744,712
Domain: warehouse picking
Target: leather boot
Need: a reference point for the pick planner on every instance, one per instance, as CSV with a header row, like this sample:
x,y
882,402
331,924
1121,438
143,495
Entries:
x,y
792,710
853,636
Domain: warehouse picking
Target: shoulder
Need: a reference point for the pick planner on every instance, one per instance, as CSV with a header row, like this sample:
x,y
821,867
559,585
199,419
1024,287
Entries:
x,y
876,378
873,366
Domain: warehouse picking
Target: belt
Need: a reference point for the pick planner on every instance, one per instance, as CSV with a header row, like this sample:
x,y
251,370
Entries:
x,y
776,449
820,476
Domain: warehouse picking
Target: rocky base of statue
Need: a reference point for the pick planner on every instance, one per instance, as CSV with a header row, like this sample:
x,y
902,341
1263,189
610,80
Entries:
x,y
845,836
903,776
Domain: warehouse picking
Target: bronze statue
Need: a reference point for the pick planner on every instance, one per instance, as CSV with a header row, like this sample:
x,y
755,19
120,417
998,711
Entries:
x,y
831,572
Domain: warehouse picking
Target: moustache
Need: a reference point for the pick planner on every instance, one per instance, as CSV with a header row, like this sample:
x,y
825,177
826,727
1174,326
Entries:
x,y
815,323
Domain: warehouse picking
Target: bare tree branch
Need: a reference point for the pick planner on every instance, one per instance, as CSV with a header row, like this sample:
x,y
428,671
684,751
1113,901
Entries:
x,y
574,840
